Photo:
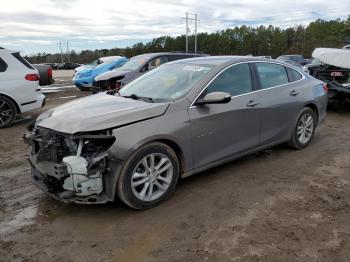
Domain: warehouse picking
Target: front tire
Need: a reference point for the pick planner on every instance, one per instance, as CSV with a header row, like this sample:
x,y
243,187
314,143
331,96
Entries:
x,y
304,129
149,176
8,112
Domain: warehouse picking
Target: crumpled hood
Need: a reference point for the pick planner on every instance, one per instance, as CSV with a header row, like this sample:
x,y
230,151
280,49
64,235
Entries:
x,y
98,112
111,74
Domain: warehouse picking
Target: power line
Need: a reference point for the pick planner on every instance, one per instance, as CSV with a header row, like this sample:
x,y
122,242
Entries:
x,y
60,43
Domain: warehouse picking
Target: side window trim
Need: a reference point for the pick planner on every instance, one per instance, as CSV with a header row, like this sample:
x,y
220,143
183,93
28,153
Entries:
x,y
291,75
291,78
230,66
259,80
253,79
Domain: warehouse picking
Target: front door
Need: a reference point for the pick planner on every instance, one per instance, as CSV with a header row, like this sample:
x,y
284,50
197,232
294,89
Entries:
x,y
223,130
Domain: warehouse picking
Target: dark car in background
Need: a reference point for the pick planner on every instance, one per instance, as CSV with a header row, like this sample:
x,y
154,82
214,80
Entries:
x,y
297,58
293,63
45,74
135,67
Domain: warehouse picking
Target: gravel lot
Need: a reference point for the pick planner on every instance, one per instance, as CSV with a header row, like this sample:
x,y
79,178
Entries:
x,y
277,205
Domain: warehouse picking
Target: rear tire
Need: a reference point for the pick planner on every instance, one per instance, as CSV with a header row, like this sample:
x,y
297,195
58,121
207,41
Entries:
x,y
8,112
149,176
304,129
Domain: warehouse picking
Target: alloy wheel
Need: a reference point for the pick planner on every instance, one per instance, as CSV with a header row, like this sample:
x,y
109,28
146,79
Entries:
x,y
6,113
305,128
152,177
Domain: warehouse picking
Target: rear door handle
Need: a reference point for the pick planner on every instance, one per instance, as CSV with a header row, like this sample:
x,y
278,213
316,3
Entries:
x,y
294,93
252,103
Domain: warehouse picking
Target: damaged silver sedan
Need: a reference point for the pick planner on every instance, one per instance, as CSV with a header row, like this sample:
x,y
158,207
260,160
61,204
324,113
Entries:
x,y
177,120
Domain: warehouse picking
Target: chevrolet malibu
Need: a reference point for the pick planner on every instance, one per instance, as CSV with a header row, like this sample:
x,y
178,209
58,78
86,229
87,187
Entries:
x,y
175,121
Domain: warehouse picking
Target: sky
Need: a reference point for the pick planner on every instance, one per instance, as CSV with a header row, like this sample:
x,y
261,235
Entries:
x,y
38,25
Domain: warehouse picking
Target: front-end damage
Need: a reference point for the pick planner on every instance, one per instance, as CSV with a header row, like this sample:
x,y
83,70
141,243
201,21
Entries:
x,y
73,168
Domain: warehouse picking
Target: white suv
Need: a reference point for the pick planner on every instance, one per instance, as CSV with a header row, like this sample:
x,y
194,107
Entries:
x,y
19,87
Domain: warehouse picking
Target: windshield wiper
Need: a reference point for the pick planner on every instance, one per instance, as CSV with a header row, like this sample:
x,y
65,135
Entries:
x,y
136,97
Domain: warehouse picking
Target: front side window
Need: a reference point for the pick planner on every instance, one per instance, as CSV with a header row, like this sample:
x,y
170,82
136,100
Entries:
x,y
235,80
271,74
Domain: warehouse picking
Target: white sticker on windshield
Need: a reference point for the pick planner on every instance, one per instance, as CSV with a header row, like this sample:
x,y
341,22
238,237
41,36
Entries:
x,y
194,68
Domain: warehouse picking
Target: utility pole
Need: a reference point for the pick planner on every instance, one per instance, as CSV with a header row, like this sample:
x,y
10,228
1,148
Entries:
x,y
195,33
187,32
68,52
190,19
60,43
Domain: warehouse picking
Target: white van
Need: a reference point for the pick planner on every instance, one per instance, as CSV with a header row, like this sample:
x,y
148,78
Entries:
x,y
19,87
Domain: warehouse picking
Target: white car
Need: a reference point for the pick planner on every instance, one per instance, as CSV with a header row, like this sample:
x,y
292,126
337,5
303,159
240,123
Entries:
x,y
19,87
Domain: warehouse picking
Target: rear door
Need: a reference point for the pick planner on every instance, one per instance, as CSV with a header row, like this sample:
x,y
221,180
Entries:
x,y
280,100
223,130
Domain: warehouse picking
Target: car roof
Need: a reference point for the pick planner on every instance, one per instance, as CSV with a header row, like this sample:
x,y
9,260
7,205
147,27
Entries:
x,y
2,49
172,53
219,60
291,55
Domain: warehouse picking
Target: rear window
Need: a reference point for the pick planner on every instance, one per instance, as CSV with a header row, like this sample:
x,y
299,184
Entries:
x,y
22,60
3,65
271,74
294,75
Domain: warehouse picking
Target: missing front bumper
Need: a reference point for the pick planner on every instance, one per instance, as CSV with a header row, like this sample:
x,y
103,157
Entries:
x,y
53,187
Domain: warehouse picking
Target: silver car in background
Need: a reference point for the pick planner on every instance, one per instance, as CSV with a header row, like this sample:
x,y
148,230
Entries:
x,y
177,120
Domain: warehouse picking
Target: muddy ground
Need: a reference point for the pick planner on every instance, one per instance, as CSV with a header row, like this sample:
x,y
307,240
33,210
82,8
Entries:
x,y
277,205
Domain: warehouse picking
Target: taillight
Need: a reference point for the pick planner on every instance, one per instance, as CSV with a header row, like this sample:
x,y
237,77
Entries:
x,y
49,72
32,77
325,87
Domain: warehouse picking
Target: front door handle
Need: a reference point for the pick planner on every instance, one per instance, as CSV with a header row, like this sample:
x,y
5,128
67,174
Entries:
x,y
294,93
252,103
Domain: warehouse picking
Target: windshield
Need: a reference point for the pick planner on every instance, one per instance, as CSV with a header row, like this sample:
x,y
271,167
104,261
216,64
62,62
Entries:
x,y
167,82
135,62
104,63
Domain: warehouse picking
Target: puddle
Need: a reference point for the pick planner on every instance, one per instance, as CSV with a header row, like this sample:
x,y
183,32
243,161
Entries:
x,y
24,217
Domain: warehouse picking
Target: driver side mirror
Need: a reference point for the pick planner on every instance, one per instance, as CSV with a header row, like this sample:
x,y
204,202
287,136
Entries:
x,y
215,98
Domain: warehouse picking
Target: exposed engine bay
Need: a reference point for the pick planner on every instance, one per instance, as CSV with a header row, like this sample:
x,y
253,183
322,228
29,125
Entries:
x,y
71,168
333,69
107,85
338,80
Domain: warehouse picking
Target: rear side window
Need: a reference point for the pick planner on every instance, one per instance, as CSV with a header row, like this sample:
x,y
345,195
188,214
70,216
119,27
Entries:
x,y
236,80
271,74
3,65
294,75
22,60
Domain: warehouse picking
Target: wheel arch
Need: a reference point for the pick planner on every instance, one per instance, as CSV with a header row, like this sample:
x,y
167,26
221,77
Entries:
x,y
314,108
161,139
13,100
177,149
